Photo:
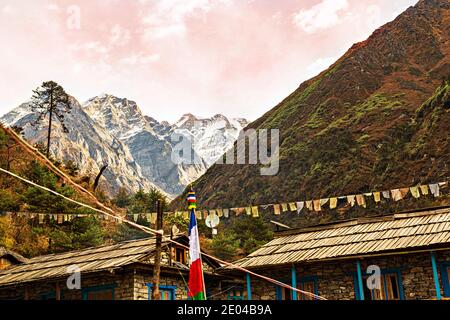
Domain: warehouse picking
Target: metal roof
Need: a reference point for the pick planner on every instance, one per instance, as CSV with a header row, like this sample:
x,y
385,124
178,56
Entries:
x,y
391,233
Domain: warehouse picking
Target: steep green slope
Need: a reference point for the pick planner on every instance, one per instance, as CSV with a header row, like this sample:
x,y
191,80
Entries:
x,y
375,120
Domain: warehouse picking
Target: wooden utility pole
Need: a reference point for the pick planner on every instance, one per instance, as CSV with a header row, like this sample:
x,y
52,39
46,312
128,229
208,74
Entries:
x,y
50,123
156,295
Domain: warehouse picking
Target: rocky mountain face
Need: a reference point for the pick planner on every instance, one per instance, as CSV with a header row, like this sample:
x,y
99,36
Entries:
x,y
377,119
87,143
137,148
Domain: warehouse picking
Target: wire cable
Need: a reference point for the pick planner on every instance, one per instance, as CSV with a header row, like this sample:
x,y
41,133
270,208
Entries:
x,y
161,232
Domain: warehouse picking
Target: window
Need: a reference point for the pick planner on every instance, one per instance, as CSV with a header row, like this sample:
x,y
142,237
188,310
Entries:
x,y
236,294
445,276
308,284
180,255
105,292
283,293
167,292
390,287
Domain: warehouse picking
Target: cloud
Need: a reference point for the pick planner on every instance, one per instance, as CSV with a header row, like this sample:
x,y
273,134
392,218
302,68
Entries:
x,y
53,7
318,66
92,49
140,58
167,18
7,9
119,36
320,16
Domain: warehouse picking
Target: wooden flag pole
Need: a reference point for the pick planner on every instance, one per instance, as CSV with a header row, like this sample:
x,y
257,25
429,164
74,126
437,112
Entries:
x,y
156,295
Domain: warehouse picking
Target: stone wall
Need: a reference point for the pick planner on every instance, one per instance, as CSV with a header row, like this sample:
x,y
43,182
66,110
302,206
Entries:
x,y
36,290
336,280
130,284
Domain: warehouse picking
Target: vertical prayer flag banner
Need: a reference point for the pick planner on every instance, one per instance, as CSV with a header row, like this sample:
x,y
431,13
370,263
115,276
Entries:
x,y
192,200
196,284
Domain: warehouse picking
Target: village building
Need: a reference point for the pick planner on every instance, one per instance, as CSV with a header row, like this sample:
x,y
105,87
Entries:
x,y
122,271
409,251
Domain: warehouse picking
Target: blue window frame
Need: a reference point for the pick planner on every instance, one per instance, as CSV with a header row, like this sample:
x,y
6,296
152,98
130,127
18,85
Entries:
x,y
391,286
167,292
307,283
445,276
103,292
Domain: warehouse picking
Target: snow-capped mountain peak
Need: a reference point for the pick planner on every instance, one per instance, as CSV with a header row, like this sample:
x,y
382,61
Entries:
x,y
137,147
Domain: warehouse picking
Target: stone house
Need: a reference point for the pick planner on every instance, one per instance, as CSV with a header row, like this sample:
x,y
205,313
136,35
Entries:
x,y
122,271
403,256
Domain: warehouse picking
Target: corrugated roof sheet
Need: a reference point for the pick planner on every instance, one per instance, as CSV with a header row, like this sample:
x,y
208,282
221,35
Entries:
x,y
397,232
88,260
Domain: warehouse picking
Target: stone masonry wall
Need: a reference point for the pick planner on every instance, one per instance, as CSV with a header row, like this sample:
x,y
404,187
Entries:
x,y
336,279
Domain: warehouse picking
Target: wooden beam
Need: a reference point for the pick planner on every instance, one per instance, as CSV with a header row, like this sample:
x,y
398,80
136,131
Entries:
x,y
57,291
156,295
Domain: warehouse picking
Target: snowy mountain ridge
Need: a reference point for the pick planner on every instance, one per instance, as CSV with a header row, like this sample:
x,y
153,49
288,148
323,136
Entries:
x,y
136,147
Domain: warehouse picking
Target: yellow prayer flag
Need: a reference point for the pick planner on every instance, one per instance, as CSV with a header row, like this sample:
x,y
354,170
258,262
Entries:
x,y
424,190
276,209
377,196
415,192
255,212
333,203
292,206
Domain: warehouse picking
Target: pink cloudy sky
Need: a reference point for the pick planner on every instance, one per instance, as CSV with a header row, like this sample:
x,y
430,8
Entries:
x,y
236,57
